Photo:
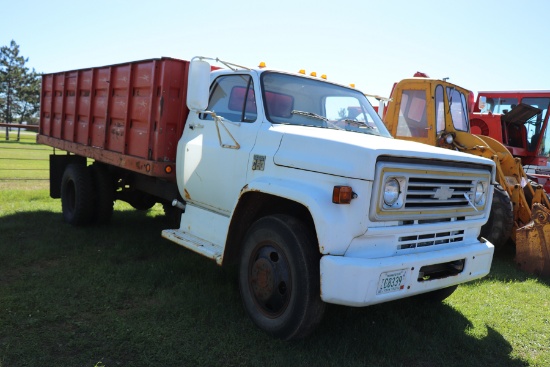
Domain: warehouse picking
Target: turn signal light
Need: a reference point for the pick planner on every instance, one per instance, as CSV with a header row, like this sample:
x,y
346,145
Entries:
x,y
342,194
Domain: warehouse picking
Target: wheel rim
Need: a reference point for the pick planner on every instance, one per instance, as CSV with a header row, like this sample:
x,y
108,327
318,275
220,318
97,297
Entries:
x,y
269,280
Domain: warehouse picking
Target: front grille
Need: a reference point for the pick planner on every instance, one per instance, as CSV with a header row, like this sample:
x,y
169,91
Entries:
x,y
427,192
433,191
429,239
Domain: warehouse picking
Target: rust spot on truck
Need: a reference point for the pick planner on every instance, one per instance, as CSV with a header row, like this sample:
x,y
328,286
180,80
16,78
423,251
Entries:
x,y
187,196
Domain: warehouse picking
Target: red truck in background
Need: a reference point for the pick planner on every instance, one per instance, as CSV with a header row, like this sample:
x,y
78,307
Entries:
x,y
519,120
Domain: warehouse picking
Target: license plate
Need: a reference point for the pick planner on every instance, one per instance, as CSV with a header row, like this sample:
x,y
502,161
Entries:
x,y
391,281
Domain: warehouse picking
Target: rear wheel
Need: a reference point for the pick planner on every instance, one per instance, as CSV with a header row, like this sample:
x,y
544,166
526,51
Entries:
x,y
104,193
77,195
279,277
501,219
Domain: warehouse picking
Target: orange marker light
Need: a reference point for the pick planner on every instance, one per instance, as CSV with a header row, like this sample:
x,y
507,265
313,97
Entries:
x,y
313,73
342,194
302,71
168,169
262,65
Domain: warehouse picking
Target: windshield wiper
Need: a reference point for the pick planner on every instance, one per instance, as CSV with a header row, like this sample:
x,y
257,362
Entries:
x,y
316,116
357,123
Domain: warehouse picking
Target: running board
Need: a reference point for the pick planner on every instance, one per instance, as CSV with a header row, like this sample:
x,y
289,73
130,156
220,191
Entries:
x,y
194,243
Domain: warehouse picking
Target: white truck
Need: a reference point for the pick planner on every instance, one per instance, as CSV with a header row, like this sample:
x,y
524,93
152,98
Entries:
x,y
293,178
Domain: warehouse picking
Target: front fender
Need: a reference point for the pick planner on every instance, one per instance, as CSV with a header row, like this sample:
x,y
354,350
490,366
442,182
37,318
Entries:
x,y
335,224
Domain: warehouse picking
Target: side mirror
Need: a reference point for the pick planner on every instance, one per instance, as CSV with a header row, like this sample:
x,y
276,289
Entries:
x,y
198,86
482,104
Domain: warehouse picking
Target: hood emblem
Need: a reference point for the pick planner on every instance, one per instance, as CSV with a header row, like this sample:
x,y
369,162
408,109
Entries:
x,y
443,193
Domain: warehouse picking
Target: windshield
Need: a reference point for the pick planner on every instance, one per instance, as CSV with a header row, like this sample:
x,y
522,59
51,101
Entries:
x,y
295,100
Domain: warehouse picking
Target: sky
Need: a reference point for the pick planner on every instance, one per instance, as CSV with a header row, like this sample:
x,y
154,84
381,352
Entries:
x,y
479,45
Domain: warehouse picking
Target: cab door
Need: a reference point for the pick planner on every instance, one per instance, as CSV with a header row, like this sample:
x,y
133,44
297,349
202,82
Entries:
x,y
216,153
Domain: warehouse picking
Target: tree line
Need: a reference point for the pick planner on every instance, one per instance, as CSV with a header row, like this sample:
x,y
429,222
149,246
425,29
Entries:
x,y
19,89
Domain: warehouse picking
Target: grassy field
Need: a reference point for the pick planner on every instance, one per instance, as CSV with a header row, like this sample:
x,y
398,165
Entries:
x,y
120,295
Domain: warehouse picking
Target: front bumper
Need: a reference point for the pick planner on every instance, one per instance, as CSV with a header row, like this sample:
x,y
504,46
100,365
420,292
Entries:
x,y
354,281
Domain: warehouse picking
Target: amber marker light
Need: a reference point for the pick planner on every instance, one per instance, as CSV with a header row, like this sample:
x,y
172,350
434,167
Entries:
x,y
302,71
168,169
262,65
313,73
342,194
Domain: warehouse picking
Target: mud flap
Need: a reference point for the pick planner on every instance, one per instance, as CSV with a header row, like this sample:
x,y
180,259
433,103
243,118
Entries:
x,y
533,243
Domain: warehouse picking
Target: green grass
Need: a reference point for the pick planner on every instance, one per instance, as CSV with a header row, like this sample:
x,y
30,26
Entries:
x,y
120,295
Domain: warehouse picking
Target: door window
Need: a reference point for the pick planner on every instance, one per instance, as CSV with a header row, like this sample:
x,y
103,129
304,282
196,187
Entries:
x,y
232,97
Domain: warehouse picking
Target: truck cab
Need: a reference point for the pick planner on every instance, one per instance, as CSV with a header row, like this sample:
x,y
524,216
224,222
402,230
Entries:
x,y
375,219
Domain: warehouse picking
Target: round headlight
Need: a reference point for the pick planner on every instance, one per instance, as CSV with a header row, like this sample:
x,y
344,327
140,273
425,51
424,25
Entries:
x,y
391,191
480,191
449,139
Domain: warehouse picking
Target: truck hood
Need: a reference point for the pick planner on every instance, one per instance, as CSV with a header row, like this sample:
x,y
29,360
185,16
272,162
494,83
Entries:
x,y
349,154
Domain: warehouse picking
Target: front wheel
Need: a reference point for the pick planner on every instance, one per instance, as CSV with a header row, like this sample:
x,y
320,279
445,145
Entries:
x,y
279,277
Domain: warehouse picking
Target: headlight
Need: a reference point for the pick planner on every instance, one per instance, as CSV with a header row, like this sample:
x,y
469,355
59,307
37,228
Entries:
x,y
391,191
479,194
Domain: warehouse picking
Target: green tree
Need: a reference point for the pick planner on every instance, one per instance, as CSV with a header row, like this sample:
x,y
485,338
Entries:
x,y
19,88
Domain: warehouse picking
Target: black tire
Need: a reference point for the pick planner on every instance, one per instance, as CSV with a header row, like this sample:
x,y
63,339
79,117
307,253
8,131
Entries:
x,y
438,295
279,277
77,195
104,193
501,219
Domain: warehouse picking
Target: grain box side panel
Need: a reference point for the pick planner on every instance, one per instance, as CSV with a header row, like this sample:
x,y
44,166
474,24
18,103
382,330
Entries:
x,y
100,99
83,96
141,106
57,107
69,106
46,99
172,113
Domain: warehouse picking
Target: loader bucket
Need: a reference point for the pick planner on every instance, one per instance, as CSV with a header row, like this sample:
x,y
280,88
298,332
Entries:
x,y
533,243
